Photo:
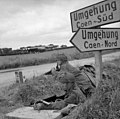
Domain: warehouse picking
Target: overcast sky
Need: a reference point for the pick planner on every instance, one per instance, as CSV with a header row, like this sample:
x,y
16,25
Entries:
x,y
37,22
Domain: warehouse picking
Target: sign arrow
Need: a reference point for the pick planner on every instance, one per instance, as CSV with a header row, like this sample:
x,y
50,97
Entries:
x,y
96,39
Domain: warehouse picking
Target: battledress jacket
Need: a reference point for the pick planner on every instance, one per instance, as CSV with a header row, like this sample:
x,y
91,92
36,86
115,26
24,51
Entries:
x,y
81,80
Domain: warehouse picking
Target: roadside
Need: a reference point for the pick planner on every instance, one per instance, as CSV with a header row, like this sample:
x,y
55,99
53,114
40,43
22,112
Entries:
x,y
16,95
8,76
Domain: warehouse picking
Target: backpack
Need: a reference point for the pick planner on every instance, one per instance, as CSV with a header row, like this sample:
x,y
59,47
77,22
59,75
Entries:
x,y
89,71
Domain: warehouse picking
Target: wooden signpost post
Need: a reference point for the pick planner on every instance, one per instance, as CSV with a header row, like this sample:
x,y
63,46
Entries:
x,y
90,36
96,40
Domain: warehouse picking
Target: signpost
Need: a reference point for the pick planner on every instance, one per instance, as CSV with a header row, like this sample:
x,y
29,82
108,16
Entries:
x,y
102,13
95,38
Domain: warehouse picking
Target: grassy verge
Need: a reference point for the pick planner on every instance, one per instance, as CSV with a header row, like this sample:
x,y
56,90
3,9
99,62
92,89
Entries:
x,y
18,95
105,103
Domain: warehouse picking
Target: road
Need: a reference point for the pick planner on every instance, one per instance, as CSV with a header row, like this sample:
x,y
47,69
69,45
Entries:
x,y
8,76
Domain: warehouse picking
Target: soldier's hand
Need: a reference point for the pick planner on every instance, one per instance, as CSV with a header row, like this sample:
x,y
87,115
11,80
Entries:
x,y
68,108
38,106
58,104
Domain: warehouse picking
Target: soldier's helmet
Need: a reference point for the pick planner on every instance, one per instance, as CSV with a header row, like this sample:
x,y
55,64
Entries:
x,y
62,57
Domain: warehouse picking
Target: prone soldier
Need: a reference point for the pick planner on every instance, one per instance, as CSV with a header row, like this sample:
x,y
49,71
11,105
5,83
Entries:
x,y
86,83
73,94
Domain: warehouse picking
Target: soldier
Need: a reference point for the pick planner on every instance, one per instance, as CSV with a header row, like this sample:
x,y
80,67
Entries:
x,y
73,94
64,65
84,82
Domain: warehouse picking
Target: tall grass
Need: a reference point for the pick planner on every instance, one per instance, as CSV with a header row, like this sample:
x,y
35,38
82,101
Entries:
x,y
16,61
39,58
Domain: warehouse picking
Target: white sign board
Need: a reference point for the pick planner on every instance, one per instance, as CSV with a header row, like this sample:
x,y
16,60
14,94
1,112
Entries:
x,y
96,39
102,13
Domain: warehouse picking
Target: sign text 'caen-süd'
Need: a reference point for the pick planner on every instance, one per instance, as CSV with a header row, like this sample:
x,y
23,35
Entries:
x,y
95,15
96,39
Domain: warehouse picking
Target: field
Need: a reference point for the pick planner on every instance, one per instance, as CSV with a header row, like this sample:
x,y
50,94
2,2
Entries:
x,y
15,61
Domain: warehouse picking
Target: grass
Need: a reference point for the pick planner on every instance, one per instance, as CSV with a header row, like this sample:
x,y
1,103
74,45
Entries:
x,y
104,104
15,61
18,95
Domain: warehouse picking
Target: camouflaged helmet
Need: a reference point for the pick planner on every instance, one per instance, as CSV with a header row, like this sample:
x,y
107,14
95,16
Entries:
x,y
66,77
62,57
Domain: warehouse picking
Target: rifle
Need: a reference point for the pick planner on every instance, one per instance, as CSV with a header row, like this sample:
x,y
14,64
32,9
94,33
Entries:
x,y
50,99
54,98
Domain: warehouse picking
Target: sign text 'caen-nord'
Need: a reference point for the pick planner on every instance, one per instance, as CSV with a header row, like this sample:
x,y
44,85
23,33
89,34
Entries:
x,y
102,13
96,39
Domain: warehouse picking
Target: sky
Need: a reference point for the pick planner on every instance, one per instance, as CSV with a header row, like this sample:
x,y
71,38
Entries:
x,y
37,22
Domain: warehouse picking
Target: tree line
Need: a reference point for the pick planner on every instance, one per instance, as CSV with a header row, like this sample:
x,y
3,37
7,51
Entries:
x,y
29,49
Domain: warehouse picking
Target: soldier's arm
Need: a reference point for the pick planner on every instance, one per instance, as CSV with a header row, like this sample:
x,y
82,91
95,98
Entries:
x,y
72,99
76,97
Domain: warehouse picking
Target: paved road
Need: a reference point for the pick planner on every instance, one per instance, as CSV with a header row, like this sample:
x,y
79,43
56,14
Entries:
x,y
8,76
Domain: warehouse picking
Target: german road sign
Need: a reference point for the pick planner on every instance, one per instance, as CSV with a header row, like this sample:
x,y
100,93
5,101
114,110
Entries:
x,y
98,14
96,39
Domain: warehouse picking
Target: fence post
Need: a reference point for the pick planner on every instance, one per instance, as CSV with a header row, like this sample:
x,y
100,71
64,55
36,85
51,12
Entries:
x,y
21,77
17,76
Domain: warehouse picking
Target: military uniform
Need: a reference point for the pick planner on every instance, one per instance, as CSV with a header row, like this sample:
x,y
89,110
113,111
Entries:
x,y
78,92
73,94
82,80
